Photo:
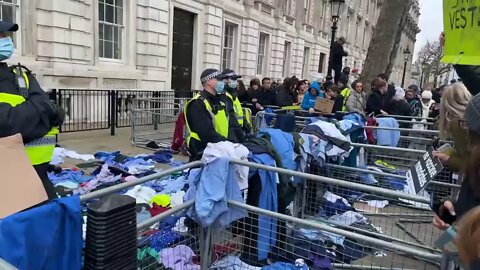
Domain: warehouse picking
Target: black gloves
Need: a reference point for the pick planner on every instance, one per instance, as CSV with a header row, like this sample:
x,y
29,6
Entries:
x,y
56,114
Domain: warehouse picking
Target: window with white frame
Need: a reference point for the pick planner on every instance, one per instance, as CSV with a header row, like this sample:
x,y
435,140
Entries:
x,y
10,11
357,29
288,7
321,62
324,15
262,49
229,41
364,38
111,28
287,55
306,6
306,62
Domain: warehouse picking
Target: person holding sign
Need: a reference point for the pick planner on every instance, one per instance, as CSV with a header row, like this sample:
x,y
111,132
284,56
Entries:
x,y
469,197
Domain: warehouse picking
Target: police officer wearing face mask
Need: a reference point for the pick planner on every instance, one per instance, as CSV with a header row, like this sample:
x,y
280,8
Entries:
x,y
209,115
26,109
231,92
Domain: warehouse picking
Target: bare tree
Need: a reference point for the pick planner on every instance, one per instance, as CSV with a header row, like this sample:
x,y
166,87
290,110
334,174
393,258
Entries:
x,y
429,57
383,47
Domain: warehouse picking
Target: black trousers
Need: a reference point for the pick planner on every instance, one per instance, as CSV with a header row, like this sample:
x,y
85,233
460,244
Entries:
x,y
338,72
42,171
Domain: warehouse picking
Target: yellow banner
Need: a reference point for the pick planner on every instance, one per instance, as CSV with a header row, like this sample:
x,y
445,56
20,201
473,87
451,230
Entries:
x,y
461,23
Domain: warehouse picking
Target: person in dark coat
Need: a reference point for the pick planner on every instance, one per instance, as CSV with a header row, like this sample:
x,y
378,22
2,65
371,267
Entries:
x,y
332,92
337,57
267,95
376,101
285,95
399,106
390,89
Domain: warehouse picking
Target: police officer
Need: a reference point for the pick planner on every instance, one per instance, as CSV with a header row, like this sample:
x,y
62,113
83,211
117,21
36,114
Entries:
x,y
209,116
26,109
243,116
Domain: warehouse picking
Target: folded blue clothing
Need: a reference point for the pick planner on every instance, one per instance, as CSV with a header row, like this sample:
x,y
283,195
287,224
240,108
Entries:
x,y
168,185
69,175
104,156
394,183
367,178
162,156
356,118
335,208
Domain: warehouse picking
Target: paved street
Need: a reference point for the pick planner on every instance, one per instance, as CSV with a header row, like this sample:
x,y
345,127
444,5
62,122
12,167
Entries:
x,y
90,142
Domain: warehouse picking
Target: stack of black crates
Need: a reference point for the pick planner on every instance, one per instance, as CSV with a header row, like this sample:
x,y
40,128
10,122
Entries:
x,y
111,240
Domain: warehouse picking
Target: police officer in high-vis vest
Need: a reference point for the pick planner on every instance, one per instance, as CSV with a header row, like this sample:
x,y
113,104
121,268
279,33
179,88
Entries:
x,y
26,109
243,117
209,115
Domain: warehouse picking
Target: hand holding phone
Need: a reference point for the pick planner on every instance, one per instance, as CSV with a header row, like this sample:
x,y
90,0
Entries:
x,y
446,212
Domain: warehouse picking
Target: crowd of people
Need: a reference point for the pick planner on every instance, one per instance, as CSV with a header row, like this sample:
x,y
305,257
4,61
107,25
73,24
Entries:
x,y
453,106
348,96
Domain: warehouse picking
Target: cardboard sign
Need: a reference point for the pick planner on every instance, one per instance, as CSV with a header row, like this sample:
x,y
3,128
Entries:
x,y
324,105
461,22
423,172
21,186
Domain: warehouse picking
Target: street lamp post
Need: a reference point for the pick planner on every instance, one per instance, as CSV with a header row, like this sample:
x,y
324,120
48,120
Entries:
x,y
406,54
335,6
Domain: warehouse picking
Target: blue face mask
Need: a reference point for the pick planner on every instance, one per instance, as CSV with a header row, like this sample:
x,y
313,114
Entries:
x,y
219,87
232,84
6,48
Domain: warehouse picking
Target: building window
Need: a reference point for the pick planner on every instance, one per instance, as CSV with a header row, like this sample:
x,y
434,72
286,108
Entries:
x,y
8,12
288,7
111,28
287,55
229,40
364,38
262,48
321,62
306,62
306,5
357,25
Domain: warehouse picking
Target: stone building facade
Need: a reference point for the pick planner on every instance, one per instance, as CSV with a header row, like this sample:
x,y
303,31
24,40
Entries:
x,y
165,44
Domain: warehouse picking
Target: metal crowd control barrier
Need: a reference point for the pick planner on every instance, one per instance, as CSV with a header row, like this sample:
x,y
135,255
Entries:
x,y
390,248
153,120
410,138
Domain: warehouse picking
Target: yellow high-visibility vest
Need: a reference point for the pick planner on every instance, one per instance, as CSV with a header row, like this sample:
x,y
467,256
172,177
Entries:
x,y
345,94
39,151
237,107
219,120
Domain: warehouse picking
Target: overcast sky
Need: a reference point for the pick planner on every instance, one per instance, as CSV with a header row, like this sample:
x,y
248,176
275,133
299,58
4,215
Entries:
x,y
431,22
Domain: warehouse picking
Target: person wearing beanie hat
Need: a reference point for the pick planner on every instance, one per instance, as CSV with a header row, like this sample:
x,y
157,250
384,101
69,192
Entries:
x,y
427,104
399,106
469,195
209,116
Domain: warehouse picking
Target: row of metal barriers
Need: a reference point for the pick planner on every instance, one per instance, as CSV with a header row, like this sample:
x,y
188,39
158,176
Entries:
x,y
396,236
394,230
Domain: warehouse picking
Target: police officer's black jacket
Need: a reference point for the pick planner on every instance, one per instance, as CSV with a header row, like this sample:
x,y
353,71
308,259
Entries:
x,y
200,122
30,118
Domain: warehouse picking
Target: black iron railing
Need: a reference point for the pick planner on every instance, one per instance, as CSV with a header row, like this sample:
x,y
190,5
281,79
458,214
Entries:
x,y
95,109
